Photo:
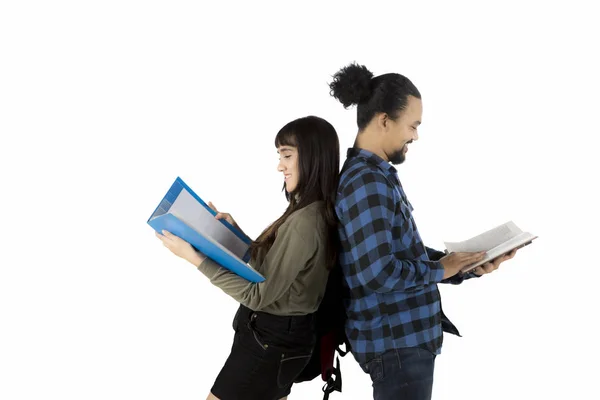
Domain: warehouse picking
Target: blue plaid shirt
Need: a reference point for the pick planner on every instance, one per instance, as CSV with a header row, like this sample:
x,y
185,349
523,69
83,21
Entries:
x,y
391,276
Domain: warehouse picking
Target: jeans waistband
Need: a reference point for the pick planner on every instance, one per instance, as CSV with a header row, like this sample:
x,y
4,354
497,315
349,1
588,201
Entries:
x,y
277,322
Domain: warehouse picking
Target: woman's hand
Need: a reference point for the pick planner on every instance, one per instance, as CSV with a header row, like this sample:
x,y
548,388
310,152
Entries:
x,y
227,217
181,248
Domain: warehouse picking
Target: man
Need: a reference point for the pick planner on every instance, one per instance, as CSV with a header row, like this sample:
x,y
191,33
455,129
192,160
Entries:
x,y
395,318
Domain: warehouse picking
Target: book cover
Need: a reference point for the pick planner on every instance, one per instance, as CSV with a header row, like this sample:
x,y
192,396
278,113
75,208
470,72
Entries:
x,y
495,242
183,213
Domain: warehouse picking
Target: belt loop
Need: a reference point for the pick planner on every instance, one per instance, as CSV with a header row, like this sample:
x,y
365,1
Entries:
x,y
398,358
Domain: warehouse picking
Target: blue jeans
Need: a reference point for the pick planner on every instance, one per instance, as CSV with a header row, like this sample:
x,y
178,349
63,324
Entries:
x,y
402,374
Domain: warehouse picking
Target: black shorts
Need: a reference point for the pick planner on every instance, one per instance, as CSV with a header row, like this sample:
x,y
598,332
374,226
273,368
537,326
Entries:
x,y
268,353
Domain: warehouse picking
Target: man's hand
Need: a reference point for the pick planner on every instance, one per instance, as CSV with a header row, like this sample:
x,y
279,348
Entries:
x,y
494,264
454,262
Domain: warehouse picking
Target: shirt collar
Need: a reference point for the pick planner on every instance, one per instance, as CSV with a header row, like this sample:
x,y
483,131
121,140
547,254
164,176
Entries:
x,y
372,159
385,166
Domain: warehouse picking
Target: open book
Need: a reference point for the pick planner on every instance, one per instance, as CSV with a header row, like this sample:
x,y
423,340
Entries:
x,y
183,213
495,242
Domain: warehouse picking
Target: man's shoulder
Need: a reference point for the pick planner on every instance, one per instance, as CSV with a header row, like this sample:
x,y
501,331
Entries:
x,y
359,174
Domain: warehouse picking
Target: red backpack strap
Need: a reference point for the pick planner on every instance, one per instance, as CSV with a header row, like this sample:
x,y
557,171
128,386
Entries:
x,y
334,381
332,376
328,346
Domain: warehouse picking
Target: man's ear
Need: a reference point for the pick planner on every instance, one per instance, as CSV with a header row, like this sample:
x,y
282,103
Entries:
x,y
383,121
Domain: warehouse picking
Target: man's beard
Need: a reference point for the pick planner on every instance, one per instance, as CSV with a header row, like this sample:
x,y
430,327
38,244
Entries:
x,y
398,157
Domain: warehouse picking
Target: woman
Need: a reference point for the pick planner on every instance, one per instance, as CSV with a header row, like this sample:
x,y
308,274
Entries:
x,y
275,322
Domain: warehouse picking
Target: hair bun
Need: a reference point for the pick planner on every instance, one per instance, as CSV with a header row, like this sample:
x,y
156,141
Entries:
x,y
351,84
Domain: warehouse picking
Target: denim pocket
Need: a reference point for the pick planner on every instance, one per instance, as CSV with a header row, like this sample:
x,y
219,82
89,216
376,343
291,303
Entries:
x,y
375,369
257,338
290,366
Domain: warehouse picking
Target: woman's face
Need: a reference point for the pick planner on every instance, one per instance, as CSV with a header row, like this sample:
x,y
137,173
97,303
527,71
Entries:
x,y
288,165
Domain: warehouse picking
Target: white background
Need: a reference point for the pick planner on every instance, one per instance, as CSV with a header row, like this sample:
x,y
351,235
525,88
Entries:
x,y
103,104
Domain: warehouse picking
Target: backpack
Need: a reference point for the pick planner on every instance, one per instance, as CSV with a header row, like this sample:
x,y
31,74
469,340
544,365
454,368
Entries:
x,y
329,324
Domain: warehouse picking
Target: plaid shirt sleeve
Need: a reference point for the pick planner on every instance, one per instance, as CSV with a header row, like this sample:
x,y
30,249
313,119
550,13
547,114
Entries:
x,y
436,255
379,238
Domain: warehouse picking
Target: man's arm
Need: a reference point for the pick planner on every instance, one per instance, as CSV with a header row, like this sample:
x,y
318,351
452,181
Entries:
x,y
367,210
436,255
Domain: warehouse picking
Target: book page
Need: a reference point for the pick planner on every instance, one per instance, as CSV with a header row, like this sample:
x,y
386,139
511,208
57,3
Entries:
x,y
226,250
487,240
503,248
511,244
520,241
189,210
